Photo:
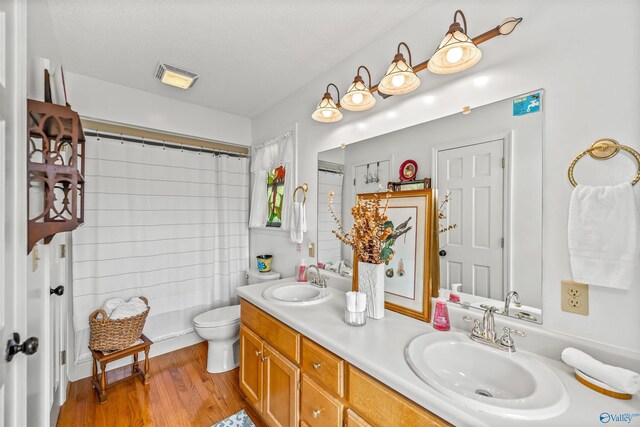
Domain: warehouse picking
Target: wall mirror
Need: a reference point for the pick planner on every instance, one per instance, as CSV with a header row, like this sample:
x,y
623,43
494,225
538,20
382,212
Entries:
x,y
486,168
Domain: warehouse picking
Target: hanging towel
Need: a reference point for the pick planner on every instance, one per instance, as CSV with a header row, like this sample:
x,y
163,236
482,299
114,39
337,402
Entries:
x,y
298,222
619,378
603,235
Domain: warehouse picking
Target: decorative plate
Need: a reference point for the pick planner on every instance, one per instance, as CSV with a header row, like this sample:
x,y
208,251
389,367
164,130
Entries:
x,y
408,170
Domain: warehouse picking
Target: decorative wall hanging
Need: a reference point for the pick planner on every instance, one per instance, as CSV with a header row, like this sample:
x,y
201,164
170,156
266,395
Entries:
x,y
457,52
55,164
408,170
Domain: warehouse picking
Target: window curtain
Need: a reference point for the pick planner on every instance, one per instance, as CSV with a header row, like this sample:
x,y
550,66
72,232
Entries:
x,y
279,151
166,224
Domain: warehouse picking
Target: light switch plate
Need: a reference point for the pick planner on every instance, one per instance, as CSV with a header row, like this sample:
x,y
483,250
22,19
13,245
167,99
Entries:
x,y
575,297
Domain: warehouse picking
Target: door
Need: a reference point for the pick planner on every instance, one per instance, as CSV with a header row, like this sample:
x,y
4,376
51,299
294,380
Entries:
x,y
371,177
251,367
281,399
57,326
13,236
472,252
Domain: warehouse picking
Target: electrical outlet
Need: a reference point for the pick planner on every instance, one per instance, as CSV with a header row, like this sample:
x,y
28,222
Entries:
x,y
575,297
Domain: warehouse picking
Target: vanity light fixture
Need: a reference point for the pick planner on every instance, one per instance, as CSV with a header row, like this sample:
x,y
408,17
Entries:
x,y
358,96
508,25
400,77
327,111
174,76
457,51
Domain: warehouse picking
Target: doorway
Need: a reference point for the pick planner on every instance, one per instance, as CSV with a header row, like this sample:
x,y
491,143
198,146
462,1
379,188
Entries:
x,y
472,253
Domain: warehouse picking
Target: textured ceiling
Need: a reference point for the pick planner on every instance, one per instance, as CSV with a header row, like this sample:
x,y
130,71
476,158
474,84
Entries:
x,y
249,53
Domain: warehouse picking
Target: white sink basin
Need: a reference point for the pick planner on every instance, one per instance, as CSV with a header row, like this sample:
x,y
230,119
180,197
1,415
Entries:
x,y
295,293
518,385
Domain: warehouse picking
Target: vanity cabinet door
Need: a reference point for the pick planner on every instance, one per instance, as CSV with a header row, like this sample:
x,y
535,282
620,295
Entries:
x,y
281,398
354,420
318,408
251,352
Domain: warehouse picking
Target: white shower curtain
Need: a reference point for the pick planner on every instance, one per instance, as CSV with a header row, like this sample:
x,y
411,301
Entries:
x,y
167,224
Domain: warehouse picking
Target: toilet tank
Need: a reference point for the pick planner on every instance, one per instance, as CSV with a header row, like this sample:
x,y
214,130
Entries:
x,y
255,276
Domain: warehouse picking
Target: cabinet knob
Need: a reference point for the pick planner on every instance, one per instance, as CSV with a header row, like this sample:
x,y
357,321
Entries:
x,y
316,366
315,413
258,353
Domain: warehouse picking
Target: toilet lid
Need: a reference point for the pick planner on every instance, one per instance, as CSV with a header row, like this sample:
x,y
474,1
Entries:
x,y
218,316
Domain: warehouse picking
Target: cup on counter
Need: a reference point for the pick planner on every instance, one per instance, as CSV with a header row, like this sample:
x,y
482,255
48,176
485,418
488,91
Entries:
x,y
355,314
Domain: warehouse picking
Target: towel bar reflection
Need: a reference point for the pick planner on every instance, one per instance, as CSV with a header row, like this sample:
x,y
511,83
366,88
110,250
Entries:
x,y
604,149
304,187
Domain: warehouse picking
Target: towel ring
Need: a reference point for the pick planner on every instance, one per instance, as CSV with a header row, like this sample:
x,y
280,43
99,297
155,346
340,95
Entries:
x,y
604,149
304,187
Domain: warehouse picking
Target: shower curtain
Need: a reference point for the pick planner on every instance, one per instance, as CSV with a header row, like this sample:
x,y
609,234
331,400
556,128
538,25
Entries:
x,y
164,223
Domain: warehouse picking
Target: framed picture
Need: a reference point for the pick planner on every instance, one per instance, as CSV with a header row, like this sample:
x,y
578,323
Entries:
x,y
420,184
407,253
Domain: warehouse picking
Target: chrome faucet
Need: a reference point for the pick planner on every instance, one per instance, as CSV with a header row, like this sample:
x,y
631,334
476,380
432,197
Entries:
x,y
317,279
485,332
507,301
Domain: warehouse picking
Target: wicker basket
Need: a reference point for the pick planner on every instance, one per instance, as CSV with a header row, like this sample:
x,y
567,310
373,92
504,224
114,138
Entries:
x,y
108,335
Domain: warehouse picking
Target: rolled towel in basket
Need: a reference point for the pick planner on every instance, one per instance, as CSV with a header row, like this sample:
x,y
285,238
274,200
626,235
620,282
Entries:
x,y
131,308
111,305
619,378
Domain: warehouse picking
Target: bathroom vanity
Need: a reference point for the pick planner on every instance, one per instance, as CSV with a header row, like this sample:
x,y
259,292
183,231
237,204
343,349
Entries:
x,y
302,365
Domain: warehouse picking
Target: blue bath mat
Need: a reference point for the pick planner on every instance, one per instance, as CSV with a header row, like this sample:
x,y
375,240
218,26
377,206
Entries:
x,y
239,419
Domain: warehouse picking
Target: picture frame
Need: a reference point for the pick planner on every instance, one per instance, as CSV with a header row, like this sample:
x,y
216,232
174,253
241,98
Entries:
x,y
420,184
408,286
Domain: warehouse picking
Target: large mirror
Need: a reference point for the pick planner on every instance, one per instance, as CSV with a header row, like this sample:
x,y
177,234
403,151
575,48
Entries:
x,y
486,165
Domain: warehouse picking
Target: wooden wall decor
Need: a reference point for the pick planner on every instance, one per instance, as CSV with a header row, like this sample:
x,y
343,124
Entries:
x,y
55,164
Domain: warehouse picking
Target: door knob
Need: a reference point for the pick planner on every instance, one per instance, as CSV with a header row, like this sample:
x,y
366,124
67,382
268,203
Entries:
x,y
28,347
442,252
58,291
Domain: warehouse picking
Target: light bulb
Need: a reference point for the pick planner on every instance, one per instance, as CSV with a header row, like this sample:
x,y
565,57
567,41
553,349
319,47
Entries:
x,y
454,55
397,81
357,98
326,113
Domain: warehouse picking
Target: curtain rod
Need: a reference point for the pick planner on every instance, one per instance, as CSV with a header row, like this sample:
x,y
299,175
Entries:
x,y
170,145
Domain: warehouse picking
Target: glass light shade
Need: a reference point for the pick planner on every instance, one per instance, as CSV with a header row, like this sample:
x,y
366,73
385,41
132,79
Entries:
x,y
508,25
358,97
399,78
456,52
327,111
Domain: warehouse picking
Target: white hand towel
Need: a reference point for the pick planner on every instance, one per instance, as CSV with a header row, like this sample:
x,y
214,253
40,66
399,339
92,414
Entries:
x,y
619,378
111,304
298,222
131,308
603,235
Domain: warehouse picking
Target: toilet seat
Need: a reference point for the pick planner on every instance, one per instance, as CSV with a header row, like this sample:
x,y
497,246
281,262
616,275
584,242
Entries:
x,y
218,317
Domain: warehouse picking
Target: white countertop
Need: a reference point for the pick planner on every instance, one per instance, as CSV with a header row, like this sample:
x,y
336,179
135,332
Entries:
x,y
378,349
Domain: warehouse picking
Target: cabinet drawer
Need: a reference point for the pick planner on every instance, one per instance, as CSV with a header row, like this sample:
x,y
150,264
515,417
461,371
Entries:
x,y
378,402
323,366
278,335
354,420
318,408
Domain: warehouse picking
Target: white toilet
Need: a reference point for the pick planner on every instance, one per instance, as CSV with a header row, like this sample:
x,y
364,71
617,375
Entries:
x,y
221,328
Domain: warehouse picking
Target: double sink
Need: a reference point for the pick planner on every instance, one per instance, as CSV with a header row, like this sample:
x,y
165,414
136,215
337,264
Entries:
x,y
510,385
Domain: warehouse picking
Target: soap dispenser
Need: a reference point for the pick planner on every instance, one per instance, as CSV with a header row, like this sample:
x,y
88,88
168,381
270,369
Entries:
x,y
441,314
453,296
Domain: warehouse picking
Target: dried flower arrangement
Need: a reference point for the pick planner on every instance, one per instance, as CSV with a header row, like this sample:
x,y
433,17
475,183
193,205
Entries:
x,y
368,232
442,215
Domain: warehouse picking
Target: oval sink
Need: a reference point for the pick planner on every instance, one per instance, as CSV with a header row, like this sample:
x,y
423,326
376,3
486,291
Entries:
x,y
489,380
297,294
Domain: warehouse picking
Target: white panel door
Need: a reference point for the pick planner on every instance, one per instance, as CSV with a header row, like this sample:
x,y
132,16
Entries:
x,y
13,236
473,176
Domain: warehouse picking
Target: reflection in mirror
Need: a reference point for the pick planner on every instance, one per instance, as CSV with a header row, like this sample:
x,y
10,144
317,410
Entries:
x,y
487,168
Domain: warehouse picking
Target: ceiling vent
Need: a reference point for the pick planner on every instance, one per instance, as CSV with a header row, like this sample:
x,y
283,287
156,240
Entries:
x,y
174,76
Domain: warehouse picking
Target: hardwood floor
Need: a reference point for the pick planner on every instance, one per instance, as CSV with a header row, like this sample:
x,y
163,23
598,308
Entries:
x,y
181,393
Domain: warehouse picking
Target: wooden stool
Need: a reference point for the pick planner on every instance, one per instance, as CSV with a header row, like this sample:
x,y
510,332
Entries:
x,y
102,358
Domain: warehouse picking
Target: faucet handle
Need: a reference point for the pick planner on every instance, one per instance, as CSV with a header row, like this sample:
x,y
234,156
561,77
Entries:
x,y
506,339
476,323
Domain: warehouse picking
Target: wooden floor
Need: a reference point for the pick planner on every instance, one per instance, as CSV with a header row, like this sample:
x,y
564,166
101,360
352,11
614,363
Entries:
x,y
181,393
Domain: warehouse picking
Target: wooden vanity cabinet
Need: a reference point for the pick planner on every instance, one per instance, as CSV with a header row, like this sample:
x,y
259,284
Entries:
x,y
292,381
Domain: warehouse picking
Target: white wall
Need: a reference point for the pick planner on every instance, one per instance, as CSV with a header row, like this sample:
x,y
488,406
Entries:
x,y
562,47
98,99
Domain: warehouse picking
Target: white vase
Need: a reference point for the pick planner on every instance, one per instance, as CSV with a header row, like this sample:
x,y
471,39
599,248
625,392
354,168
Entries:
x,y
371,282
